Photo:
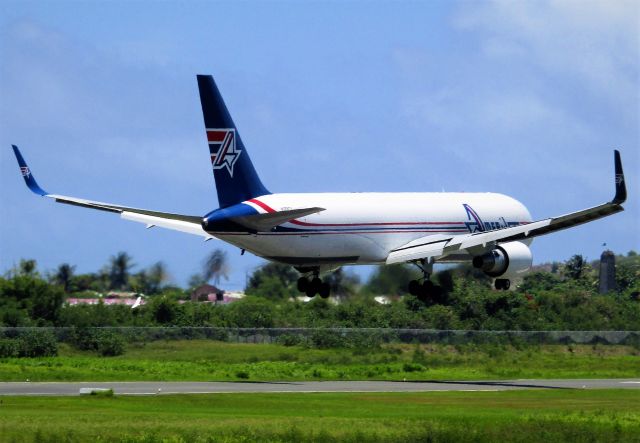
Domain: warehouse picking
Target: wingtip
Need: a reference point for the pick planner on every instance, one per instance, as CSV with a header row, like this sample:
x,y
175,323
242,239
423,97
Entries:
x,y
621,187
26,173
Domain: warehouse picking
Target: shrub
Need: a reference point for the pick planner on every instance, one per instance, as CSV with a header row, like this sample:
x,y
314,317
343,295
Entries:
x,y
109,344
84,339
327,339
366,340
290,339
9,348
412,367
244,375
38,343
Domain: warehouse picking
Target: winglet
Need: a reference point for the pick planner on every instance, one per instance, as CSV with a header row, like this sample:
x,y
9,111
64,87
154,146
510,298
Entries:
x,y
621,187
26,173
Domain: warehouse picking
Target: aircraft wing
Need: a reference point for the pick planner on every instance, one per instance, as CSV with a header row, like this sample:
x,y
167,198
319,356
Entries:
x,y
190,224
435,247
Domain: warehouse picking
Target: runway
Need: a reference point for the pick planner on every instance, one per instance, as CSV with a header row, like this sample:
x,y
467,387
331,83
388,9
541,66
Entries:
x,y
164,388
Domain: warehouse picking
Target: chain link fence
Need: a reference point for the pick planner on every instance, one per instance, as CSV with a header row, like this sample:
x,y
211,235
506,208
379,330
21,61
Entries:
x,y
328,337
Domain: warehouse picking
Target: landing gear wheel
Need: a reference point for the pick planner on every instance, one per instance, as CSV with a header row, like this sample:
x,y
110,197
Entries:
x,y
313,287
502,284
325,290
426,291
303,284
414,287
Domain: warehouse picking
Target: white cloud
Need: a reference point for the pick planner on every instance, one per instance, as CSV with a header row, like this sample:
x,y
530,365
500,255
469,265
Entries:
x,y
595,43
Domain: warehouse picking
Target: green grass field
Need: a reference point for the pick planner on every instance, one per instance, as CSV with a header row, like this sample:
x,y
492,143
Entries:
x,y
520,416
205,360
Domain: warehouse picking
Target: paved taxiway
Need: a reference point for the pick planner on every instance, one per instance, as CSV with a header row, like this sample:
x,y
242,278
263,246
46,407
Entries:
x,y
149,388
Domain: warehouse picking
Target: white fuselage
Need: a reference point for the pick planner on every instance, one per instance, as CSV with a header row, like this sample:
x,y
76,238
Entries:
x,y
362,228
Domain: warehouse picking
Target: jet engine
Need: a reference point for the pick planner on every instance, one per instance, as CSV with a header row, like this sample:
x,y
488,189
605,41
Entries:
x,y
506,261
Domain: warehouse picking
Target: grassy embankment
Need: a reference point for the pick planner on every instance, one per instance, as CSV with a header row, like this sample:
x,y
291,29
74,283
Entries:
x,y
204,360
521,416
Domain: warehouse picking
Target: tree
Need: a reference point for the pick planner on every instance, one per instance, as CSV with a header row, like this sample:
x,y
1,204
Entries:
x,y
574,267
139,282
195,281
342,283
216,267
391,280
273,281
157,275
64,275
149,281
119,268
164,309
27,267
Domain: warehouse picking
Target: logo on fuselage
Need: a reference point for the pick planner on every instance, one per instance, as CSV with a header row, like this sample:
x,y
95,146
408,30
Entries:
x,y
476,224
222,146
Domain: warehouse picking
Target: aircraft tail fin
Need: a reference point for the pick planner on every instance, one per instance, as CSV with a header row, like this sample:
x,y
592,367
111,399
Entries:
x,y
236,178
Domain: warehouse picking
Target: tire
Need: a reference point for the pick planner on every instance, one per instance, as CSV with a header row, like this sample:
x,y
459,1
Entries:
x,y
437,294
426,291
325,290
313,287
303,284
502,284
414,287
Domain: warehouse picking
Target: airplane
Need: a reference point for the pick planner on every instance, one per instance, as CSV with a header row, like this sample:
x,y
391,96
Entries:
x,y
317,233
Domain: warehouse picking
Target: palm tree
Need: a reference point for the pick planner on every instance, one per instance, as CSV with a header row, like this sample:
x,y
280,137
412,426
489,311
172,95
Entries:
x,y
27,267
119,268
63,275
157,275
216,266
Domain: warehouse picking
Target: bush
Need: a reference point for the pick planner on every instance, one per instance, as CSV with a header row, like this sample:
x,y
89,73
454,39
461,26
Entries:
x,y
326,339
84,339
9,348
244,375
366,340
38,343
290,339
106,343
413,367
109,344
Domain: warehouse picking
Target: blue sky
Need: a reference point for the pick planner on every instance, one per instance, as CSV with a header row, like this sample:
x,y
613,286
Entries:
x,y
523,98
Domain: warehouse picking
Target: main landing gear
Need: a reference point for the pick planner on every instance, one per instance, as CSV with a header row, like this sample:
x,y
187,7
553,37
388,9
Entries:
x,y
426,291
314,286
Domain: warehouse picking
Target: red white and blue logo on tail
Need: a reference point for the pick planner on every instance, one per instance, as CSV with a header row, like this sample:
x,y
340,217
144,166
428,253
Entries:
x,y
222,146
25,171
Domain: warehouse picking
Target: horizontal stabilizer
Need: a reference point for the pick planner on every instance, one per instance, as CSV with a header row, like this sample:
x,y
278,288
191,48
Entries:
x,y
265,222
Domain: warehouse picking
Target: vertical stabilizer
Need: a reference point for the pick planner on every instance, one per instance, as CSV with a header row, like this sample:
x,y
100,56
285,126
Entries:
x,y
236,178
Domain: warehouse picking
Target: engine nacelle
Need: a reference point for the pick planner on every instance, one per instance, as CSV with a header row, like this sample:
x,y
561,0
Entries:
x,y
507,260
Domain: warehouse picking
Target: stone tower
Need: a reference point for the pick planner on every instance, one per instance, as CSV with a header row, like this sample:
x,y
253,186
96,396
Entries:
x,y
607,272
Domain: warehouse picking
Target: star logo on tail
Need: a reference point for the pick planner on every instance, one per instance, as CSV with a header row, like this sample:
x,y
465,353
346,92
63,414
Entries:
x,y
222,146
